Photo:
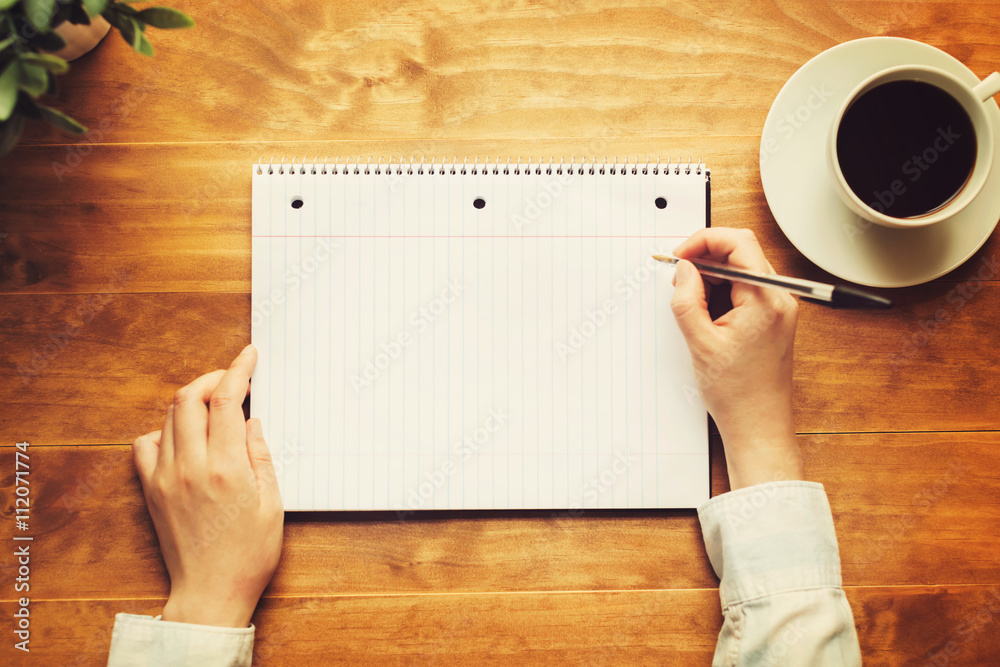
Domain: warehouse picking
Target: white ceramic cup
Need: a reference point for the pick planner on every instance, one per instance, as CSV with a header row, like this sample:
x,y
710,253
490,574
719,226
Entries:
x,y
973,100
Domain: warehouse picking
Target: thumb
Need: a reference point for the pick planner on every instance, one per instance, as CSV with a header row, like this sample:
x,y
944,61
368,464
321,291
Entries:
x,y
262,465
689,304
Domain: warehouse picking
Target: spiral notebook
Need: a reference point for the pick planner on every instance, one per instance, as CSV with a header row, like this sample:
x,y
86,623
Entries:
x,y
476,336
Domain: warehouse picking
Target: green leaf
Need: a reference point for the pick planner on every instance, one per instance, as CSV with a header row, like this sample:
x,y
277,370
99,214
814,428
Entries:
x,y
39,13
7,42
165,18
34,78
60,120
125,13
11,133
52,63
125,25
8,90
7,4
137,35
145,48
95,7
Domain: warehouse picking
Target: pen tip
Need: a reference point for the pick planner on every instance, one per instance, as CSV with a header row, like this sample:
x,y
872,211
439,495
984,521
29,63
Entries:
x,y
662,258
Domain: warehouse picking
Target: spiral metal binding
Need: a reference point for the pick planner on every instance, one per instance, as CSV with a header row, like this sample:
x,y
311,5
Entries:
x,y
496,167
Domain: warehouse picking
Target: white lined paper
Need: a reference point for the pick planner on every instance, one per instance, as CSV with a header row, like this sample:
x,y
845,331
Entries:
x,y
419,353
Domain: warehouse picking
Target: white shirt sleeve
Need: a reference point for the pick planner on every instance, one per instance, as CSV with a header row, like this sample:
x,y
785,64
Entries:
x,y
150,642
774,549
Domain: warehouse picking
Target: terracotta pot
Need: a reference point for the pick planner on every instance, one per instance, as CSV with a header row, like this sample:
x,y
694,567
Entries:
x,y
81,38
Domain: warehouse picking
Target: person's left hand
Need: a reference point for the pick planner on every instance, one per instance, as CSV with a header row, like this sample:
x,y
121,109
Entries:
x,y
212,493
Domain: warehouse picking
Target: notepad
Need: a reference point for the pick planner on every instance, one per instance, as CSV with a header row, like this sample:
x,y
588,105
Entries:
x,y
475,336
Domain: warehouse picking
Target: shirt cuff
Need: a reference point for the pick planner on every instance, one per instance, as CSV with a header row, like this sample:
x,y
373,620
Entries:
x,y
771,538
145,640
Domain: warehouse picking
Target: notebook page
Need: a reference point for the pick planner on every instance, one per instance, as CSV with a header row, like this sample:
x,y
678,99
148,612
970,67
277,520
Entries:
x,y
420,349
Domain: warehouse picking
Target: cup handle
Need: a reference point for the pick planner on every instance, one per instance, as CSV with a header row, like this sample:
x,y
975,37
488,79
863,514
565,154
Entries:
x,y
988,87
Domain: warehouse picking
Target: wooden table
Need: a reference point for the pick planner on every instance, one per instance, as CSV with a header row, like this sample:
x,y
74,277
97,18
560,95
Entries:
x,y
125,273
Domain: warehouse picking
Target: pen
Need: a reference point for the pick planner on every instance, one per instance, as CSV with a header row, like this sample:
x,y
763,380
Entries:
x,y
835,296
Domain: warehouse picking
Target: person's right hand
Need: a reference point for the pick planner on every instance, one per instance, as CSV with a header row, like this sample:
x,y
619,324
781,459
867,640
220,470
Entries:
x,y
743,359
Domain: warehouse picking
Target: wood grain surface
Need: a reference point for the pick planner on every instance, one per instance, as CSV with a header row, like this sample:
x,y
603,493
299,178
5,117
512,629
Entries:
x,y
125,273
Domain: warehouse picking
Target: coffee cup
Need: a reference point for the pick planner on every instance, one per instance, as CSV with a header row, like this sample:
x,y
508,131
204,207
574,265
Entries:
x,y
912,145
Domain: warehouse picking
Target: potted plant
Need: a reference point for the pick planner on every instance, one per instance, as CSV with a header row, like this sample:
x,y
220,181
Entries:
x,y
33,34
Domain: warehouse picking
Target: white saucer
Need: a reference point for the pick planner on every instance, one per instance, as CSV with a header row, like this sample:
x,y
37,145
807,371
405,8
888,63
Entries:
x,y
793,171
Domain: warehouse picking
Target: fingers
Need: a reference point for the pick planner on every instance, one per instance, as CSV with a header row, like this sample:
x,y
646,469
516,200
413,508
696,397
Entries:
x,y
190,417
689,303
190,423
263,466
145,451
226,427
738,247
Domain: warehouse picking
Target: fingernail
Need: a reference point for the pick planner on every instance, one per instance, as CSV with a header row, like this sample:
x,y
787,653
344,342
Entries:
x,y
247,348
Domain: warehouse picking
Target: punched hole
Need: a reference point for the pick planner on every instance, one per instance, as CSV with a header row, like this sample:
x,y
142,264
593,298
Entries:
x,y
479,202
660,202
297,202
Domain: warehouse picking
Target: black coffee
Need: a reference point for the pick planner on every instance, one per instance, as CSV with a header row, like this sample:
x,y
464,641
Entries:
x,y
906,148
